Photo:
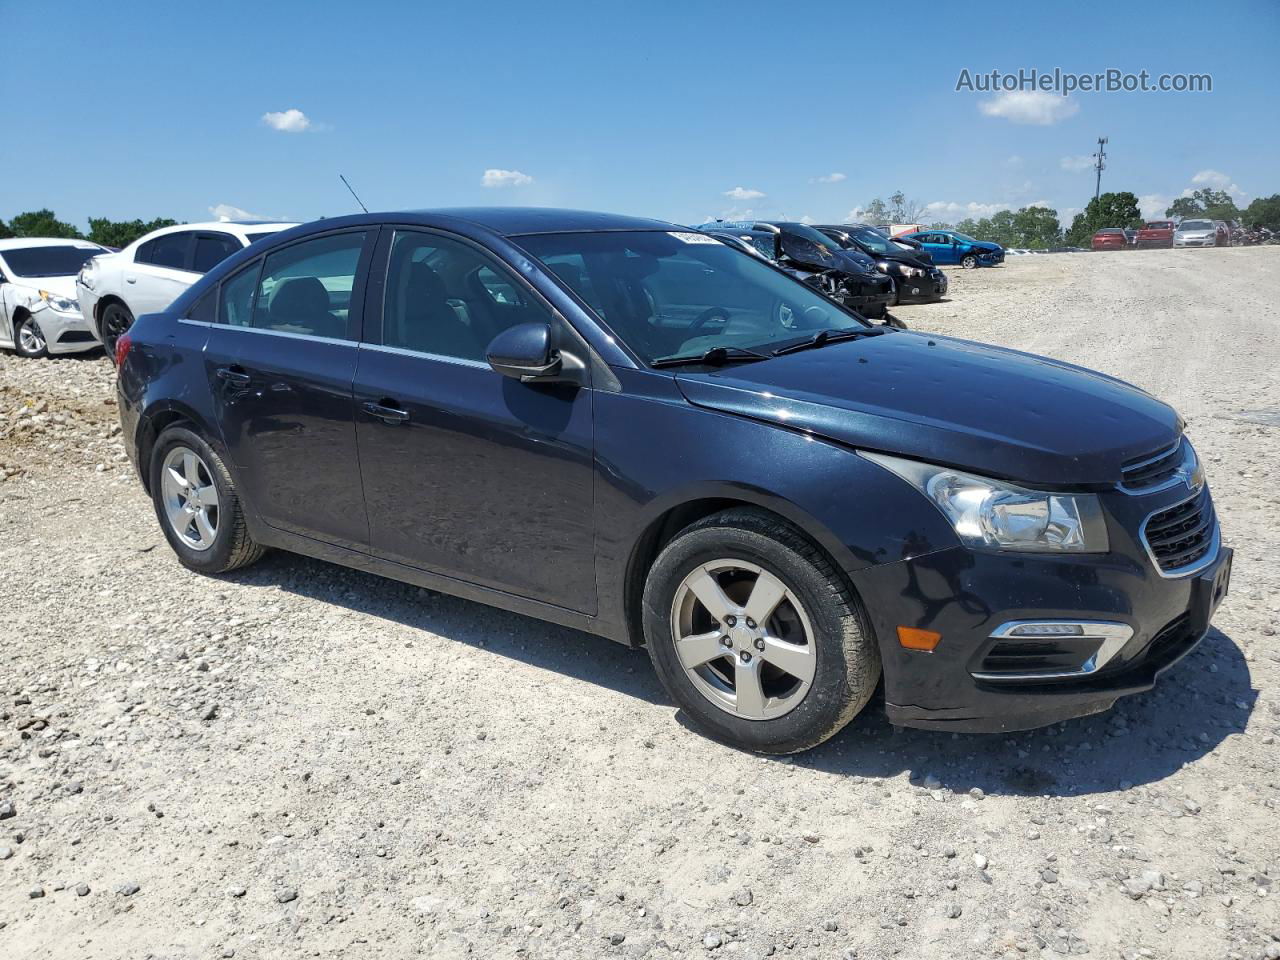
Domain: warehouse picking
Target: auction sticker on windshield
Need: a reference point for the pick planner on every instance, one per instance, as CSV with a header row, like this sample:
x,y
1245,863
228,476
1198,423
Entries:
x,y
693,237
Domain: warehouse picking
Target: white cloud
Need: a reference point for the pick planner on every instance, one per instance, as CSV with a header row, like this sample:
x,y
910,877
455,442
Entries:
x,y
951,212
1218,181
829,178
287,121
1077,163
743,193
225,211
1029,106
807,219
494,177
1153,205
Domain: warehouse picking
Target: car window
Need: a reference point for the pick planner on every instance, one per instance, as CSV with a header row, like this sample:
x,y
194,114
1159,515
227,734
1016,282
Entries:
x,y
681,294
446,298
236,305
306,287
212,249
168,250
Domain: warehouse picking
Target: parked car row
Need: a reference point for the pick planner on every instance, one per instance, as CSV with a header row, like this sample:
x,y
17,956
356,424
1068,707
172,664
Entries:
x,y
65,296
632,428
1155,234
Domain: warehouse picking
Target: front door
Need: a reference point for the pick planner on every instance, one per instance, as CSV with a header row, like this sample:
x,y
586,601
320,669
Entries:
x,y
280,364
160,272
940,247
468,473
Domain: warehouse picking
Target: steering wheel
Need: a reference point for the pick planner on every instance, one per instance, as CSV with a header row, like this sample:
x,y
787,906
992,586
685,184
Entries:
x,y
706,316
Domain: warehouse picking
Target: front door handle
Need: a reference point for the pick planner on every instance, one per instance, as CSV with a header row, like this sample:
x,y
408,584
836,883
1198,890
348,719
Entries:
x,y
234,376
385,412
129,278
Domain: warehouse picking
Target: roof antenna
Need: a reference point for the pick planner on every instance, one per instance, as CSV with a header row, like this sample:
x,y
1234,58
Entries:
x,y
353,193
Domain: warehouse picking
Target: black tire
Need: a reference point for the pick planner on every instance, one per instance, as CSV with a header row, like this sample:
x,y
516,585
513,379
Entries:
x,y
847,666
27,325
116,319
969,261
232,547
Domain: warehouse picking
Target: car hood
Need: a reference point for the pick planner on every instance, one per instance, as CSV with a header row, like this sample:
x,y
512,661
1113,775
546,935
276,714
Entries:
x,y
986,245
63,286
994,411
923,261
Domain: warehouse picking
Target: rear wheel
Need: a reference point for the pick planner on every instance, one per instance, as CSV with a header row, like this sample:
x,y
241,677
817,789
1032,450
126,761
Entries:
x,y
116,319
755,635
969,262
28,340
197,504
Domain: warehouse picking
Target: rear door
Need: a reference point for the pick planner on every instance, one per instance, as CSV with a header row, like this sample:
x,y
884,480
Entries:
x,y
468,473
280,364
160,272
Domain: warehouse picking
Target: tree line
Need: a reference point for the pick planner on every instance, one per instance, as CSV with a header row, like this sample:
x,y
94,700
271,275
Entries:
x,y
109,233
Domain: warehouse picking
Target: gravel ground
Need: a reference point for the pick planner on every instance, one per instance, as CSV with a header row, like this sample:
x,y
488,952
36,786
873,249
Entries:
x,y
304,760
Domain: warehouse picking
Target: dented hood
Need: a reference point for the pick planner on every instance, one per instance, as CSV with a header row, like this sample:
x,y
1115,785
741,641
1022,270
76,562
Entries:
x,y
986,409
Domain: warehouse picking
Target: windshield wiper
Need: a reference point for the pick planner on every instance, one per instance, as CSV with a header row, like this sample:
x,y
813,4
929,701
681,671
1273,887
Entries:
x,y
713,357
831,336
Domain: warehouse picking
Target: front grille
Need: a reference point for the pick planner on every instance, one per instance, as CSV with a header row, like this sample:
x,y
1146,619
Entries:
x,y
1182,535
1152,470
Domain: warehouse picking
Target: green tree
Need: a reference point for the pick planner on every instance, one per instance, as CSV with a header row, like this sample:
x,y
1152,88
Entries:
x,y
42,223
1208,203
969,227
5,232
1109,210
1037,228
1264,212
121,233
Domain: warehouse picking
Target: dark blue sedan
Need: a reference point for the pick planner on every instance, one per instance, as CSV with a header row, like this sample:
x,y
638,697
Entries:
x,y
951,247
634,429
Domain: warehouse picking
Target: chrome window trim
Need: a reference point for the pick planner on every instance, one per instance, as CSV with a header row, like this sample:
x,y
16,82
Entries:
x,y
422,354
1114,635
1211,555
282,333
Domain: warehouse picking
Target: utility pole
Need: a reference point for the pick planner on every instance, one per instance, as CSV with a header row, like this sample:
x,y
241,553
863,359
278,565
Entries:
x,y
1099,164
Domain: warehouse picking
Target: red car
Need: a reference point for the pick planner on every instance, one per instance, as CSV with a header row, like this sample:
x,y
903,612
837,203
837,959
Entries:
x,y
1110,238
1156,233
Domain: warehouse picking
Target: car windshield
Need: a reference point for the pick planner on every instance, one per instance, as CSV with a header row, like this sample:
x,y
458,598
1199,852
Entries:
x,y
1195,225
964,237
809,246
873,240
52,261
682,294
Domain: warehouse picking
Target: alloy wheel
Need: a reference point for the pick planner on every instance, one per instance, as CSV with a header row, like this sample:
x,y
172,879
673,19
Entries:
x,y
744,639
115,321
190,498
30,337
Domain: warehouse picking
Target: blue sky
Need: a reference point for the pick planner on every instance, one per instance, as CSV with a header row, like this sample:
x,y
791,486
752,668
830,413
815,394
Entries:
x,y
136,109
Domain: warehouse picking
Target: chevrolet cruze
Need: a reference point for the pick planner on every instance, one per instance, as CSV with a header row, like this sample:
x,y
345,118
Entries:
x,y
631,428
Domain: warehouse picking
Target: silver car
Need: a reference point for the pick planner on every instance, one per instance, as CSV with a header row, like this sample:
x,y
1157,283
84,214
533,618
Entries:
x,y
1196,233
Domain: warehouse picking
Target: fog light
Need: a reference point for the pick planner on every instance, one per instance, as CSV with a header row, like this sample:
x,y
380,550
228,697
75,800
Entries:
x,y
913,638
1047,630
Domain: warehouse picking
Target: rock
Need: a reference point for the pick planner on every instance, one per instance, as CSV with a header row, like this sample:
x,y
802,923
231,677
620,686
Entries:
x,y
980,861
35,893
1154,878
743,897
1136,887
831,926
7,810
977,793
1049,876
210,712
6,852
127,889
953,911
930,782
712,940
287,895
236,892
82,889
616,939
75,786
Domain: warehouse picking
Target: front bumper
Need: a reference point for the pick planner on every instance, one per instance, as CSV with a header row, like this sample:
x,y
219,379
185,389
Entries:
x,y
871,299
968,595
931,286
64,332
992,258
1195,241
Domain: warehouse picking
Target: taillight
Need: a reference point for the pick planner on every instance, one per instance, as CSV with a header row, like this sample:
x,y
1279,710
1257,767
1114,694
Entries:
x,y
123,343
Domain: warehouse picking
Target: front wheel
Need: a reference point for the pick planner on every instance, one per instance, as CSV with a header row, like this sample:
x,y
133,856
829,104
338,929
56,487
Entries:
x,y
969,262
197,504
116,319
755,635
28,340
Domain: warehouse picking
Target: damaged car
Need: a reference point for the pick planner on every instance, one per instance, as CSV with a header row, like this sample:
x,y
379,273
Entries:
x,y
39,313
913,273
848,276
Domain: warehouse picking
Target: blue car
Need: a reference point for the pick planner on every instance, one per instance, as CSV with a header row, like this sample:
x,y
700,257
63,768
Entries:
x,y
634,429
948,246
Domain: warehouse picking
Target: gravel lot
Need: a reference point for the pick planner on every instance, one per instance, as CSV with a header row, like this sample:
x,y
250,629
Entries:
x,y
301,760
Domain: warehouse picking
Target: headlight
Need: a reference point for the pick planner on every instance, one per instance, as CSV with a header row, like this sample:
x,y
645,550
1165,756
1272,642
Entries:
x,y
994,513
59,302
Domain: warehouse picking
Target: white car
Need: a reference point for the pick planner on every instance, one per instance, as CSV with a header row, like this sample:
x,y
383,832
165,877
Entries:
x,y
1196,233
150,273
38,310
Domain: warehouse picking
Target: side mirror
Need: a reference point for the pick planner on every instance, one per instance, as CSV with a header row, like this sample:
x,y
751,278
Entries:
x,y
526,353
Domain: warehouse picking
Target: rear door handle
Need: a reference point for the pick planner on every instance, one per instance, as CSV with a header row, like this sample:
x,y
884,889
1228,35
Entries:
x,y
235,376
385,412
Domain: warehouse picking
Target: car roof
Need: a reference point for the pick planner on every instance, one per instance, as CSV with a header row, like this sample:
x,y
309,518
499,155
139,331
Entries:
x,y
20,243
516,221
